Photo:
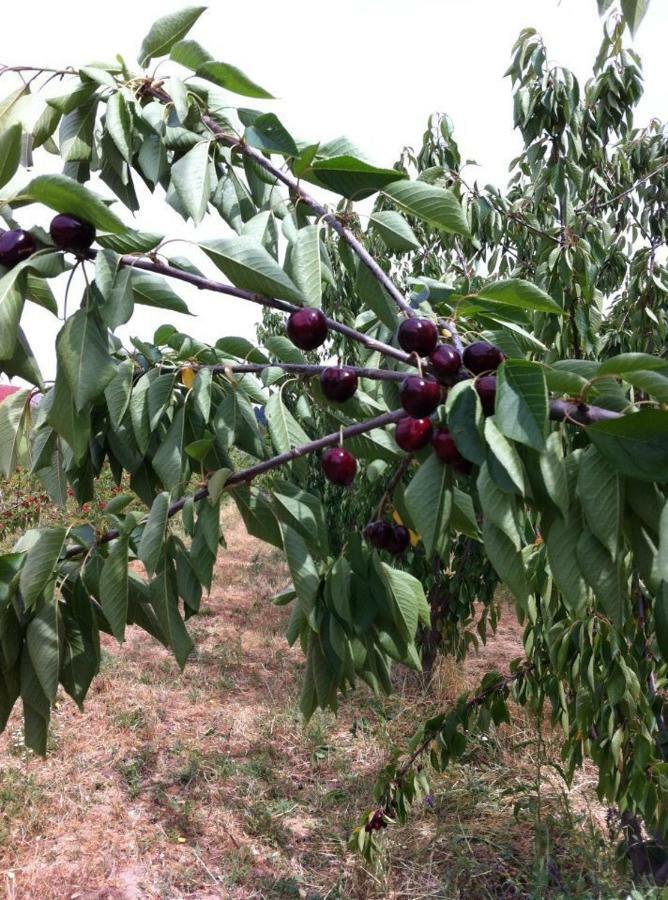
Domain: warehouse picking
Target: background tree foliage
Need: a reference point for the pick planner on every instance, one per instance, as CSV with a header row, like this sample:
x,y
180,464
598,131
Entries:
x,y
567,480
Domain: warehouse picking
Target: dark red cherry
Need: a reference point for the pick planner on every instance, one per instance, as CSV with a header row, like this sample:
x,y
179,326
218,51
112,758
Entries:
x,y
417,336
69,233
482,357
338,384
339,466
399,540
446,361
15,246
378,534
486,388
307,328
413,434
419,396
446,449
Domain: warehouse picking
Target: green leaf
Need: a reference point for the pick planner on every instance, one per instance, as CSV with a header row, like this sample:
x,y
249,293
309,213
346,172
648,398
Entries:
x,y
10,152
515,292
119,124
395,231
66,195
12,426
191,55
190,177
600,494
507,561
165,601
498,507
635,444
521,402
11,309
634,12
561,542
409,598
652,383
152,290
250,267
268,133
76,132
82,348
506,455
118,392
306,265
114,588
375,297
624,363
661,620
553,472
39,567
429,501
352,177
285,431
166,32
130,241
153,536
44,645
662,556
436,206
45,126
303,569
465,421
604,576
168,462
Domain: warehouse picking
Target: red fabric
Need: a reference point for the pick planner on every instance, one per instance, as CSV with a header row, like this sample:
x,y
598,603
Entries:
x,y
6,390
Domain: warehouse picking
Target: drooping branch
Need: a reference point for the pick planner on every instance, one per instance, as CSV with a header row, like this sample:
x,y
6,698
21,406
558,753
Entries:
x,y
208,284
300,369
502,684
295,187
330,218
243,476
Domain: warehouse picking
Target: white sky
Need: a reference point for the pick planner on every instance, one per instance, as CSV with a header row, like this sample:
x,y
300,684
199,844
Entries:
x,y
370,69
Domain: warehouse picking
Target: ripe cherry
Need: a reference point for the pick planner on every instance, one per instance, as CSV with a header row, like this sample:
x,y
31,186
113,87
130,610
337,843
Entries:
x,y
15,246
399,540
445,447
338,384
486,388
70,233
417,336
413,434
378,534
420,396
339,466
307,328
482,357
446,361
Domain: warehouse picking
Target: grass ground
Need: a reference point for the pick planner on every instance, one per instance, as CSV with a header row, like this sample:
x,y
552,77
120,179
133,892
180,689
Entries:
x,y
207,785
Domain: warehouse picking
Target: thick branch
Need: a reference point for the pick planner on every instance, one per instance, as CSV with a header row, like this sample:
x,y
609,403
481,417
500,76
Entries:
x,y
580,413
246,475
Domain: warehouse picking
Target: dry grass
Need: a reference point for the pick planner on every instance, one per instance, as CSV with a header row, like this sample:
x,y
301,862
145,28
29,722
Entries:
x,y
206,784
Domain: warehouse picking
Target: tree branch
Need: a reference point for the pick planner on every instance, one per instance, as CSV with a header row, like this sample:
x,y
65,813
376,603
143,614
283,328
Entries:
x,y
207,284
299,369
245,475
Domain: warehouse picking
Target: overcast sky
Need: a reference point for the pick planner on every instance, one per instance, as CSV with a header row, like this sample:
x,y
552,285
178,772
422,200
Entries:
x,y
370,69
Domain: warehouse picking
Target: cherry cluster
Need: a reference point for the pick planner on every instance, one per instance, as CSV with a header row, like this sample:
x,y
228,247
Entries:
x,y
67,233
420,396
376,822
